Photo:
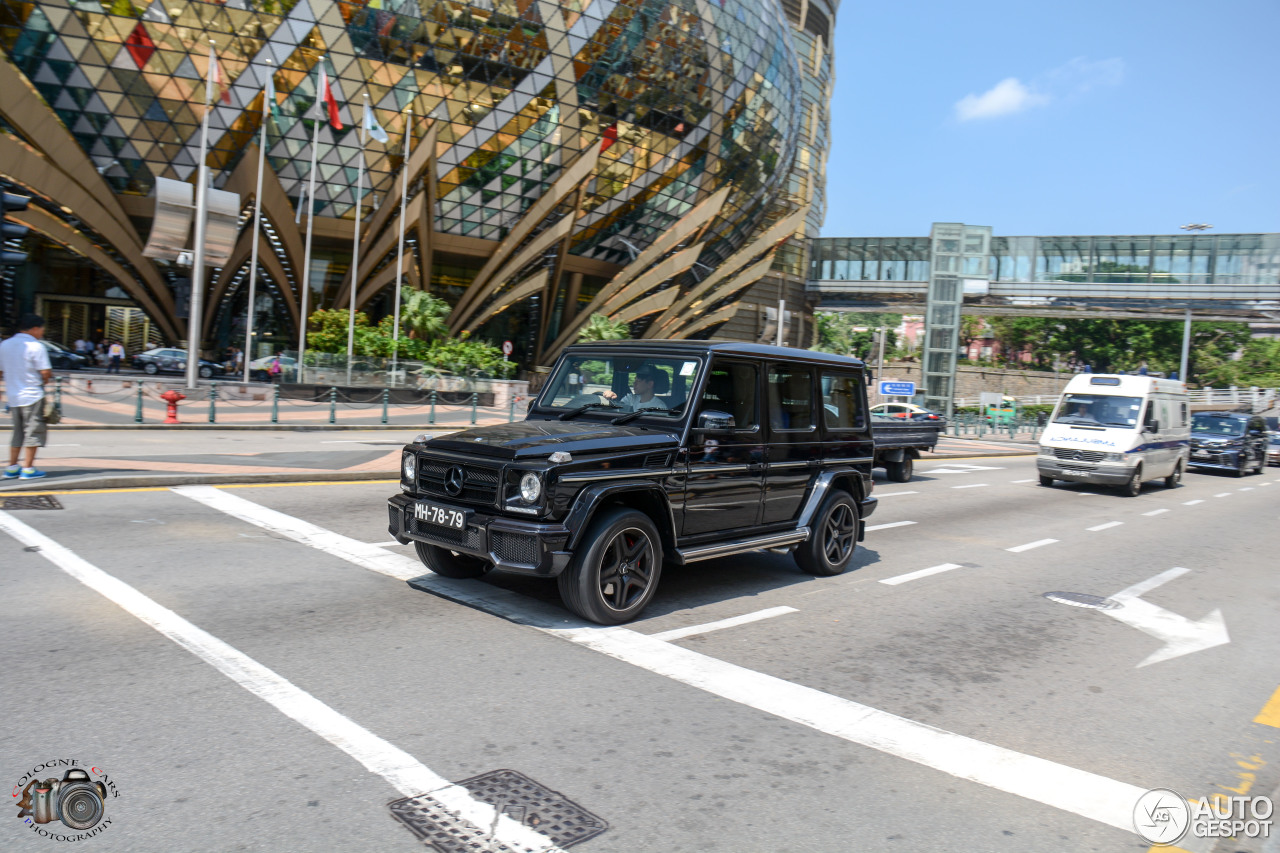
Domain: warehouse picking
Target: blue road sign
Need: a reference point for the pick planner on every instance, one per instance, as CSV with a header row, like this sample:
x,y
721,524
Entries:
x,y
898,389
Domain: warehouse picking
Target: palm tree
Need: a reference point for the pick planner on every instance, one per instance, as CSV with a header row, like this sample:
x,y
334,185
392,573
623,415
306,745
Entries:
x,y
424,316
601,328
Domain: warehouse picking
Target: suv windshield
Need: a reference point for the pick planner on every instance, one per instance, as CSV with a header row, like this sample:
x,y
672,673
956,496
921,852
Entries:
x,y
1099,410
617,384
1217,425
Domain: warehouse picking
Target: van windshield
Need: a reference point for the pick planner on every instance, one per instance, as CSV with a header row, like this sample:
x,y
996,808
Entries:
x,y
1099,410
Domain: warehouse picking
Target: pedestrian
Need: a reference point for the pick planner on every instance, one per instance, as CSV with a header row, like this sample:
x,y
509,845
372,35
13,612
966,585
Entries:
x,y
239,361
273,370
24,364
1143,370
116,355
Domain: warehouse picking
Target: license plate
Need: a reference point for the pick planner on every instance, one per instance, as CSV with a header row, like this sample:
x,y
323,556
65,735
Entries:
x,y
1073,474
444,516
1200,454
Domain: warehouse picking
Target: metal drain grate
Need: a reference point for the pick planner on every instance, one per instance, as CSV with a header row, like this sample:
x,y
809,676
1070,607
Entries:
x,y
1082,599
30,502
564,823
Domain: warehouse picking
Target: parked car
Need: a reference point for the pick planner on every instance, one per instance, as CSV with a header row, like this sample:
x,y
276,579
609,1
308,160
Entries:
x,y
637,454
165,360
1229,441
260,368
1273,449
905,410
61,358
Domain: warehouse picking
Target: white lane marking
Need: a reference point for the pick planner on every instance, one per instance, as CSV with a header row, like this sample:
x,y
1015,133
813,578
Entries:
x,y
384,544
1032,480
1155,512
1179,634
64,445
678,633
1018,549
1192,503
970,486
890,524
895,494
923,573
1104,526
1082,793
404,772
1223,495
1260,485
963,469
1245,489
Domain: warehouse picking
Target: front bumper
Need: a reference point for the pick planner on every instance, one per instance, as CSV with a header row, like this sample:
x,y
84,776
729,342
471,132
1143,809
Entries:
x,y
1224,460
1084,472
511,544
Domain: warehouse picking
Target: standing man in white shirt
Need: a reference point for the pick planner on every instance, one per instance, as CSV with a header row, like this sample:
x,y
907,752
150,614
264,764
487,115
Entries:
x,y
24,364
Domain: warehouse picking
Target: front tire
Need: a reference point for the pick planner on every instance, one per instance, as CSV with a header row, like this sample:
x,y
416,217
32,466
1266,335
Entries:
x,y
150,368
205,372
900,472
1243,467
833,538
614,579
1172,481
450,564
1133,488
1046,481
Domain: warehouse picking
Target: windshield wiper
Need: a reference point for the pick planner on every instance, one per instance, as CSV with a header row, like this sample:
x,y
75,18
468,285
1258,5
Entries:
x,y
573,413
631,416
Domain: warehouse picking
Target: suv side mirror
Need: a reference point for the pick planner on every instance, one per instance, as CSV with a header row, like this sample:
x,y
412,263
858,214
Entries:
x,y
713,421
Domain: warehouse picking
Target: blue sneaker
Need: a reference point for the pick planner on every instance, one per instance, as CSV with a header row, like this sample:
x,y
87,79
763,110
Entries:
x,y
12,471
31,474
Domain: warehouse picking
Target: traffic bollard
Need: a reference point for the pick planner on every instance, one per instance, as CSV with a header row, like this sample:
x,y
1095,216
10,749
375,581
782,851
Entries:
x,y
275,404
57,394
333,405
431,418
386,397
511,413
213,403
475,398
137,412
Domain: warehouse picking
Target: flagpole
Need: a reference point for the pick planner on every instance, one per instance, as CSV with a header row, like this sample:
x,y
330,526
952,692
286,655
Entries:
x,y
306,255
404,201
257,228
355,246
197,263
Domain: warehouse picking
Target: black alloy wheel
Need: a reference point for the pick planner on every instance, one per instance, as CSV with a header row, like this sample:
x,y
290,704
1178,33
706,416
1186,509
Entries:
x,y
1172,481
833,537
1133,488
205,372
450,564
150,368
613,579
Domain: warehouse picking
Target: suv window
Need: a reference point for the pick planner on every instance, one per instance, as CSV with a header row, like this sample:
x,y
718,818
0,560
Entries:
x,y
731,388
790,397
841,401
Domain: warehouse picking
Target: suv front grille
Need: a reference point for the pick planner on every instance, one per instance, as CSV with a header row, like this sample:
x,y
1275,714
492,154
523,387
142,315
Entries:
x,y
479,482
1082,455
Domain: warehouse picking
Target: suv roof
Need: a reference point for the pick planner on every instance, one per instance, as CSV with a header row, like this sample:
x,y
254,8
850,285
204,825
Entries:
x,y
726,348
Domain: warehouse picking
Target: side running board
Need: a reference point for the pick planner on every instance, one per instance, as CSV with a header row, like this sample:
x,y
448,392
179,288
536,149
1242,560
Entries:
x,y
738,546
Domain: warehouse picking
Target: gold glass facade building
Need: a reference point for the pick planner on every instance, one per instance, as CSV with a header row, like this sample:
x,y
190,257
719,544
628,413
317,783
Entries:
x,y
569,158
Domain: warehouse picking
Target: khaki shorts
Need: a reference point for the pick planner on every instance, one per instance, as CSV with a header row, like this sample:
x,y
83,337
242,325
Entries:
x,y
29,428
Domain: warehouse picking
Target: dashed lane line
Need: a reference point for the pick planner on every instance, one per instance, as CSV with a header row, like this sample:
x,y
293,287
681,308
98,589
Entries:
x,y
1223,495
1109,524
1245,489
895,494
922,573
734,621
1069,789
890,524
1156,511
1031,480
1192,503
1018,549
970,486
404,772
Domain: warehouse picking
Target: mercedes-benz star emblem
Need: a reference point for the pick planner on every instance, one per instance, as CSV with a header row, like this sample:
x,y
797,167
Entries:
x,y
454,479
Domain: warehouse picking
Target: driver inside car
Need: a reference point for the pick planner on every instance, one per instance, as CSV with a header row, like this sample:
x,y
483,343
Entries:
x,y
644,386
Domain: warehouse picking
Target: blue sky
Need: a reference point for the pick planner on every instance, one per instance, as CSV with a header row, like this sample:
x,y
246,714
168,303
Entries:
x,y
1121,117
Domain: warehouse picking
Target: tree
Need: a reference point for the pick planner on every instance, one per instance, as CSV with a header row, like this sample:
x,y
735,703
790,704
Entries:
x,y
601,328
424,316
844,332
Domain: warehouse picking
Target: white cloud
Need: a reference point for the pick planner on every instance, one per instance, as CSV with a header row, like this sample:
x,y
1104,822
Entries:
x,y
1069,80
1008,96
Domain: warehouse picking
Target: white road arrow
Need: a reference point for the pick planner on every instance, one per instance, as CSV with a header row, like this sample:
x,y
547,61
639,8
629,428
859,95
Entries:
x,y
1180,635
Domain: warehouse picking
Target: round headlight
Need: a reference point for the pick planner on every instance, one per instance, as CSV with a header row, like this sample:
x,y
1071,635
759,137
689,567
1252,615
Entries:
x,y
409,465
530,487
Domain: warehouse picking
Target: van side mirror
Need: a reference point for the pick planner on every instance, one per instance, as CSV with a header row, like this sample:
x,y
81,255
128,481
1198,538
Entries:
x,y
1153,426
713,421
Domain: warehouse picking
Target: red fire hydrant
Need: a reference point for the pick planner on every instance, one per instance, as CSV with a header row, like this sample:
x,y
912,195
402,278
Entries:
x,y
172,397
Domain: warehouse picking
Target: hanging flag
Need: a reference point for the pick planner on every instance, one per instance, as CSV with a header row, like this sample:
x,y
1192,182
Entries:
x,y
219,82
326,102
610,137
372,127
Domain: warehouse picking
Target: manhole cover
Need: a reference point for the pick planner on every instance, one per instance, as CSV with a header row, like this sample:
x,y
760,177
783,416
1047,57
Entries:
x,y
30,502
1082,599
563,822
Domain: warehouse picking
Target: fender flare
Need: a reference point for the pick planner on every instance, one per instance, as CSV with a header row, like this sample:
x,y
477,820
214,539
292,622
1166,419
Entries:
x,y
592,497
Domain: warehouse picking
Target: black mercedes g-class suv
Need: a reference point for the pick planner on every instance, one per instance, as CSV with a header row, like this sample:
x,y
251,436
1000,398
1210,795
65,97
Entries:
x,y
640,454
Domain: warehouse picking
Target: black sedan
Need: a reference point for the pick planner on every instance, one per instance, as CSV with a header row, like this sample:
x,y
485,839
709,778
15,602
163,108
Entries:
x,y
165,360
61,358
